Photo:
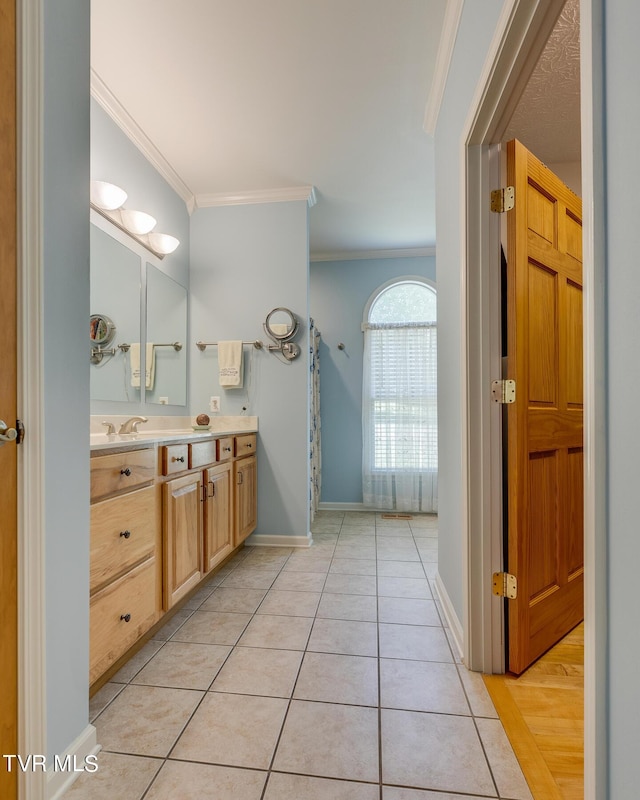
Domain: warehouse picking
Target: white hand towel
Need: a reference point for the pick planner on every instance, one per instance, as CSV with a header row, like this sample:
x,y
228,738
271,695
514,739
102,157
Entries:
x,y
230,364
150,365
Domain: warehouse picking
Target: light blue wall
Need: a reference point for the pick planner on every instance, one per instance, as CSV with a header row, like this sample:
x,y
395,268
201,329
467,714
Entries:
x,y
472,43
246,260
338,294
66,303
622,166
114,158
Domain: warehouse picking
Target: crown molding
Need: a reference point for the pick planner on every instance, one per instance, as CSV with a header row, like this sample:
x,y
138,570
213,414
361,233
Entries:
x,y
118,113
362,255
284,195
450,25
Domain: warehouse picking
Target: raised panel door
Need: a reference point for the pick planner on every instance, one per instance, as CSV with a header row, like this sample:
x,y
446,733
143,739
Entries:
x,y
246,497
182,499
218,529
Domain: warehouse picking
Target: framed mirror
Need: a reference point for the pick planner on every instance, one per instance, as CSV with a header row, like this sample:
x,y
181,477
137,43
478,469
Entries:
x,y
115,272
281,324
166,337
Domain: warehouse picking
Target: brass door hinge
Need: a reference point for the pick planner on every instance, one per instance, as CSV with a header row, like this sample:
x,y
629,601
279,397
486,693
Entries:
x,y
505,585
503,391
503,199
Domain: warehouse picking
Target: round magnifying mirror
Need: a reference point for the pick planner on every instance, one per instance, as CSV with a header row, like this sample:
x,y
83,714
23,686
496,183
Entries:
x,y
101,330
281,324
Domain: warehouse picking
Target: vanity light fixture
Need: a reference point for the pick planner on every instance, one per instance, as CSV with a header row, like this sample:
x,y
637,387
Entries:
x,y
107,199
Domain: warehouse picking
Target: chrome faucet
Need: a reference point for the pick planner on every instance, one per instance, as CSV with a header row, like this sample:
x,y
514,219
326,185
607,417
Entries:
x,y
131,425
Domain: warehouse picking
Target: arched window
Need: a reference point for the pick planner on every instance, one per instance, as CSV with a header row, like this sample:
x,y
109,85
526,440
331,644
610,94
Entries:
x,y
399,403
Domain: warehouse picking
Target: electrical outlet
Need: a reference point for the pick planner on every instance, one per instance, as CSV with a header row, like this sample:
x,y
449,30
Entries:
x,y
214,404
164,401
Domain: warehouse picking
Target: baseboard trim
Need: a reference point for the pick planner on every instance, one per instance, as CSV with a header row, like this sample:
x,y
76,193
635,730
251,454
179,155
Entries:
x,y
455,626
342,507
85,745
268,540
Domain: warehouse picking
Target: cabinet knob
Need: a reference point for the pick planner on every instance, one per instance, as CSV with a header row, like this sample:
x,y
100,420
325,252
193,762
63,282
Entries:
x,y
125,617
227,449
125,534
178,458
126,471
249,445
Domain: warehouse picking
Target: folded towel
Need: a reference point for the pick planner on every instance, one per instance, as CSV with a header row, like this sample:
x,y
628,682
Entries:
x,y
150,364
230,364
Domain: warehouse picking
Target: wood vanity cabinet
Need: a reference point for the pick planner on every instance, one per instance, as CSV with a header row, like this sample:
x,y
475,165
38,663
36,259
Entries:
x,y
125,574
245,479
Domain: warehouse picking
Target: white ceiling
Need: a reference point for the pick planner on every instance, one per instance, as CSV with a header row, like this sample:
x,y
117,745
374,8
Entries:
x,y
245,96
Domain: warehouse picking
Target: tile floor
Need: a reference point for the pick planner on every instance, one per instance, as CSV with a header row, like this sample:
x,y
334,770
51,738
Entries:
x,y
319,674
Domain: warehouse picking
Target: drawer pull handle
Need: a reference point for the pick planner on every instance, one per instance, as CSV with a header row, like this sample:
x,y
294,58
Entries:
x,y
240,478
178,458
212,489
125,534
125,617
126,471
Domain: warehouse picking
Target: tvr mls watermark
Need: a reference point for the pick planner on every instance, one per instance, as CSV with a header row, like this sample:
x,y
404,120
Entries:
x,y
39,763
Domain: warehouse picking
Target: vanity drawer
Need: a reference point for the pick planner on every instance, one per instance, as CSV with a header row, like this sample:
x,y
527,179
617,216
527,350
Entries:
x,y
245,445
202,453
175,458
132,596
123,533
118,472
225,448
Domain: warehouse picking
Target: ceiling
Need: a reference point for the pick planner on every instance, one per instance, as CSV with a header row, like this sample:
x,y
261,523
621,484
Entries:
x,y
245,100
247,97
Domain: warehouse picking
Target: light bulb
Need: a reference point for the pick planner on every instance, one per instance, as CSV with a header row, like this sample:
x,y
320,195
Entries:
x,y
137,222
106,196
163,243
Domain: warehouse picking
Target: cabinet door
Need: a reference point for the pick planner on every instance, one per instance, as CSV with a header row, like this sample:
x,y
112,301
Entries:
x,y
246,497
182,536
218,533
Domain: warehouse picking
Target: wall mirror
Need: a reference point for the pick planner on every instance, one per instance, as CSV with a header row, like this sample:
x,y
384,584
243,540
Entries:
x,y
166,336
281,324
114,301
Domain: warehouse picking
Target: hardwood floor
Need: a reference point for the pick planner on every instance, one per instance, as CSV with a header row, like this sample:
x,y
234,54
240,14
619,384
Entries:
x,y
543,714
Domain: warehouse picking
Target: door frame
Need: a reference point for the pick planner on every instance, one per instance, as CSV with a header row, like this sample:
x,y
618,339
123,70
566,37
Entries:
x,y
32,696
520,36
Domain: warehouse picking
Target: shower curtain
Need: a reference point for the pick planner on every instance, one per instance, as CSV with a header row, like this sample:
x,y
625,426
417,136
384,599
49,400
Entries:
x,y
314,426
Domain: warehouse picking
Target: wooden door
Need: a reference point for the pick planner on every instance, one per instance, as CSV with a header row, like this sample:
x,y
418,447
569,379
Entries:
x,y
544,425
218,532
8,398
246,497
182,536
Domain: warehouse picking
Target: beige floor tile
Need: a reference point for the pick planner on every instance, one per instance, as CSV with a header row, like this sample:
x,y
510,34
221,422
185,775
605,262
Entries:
x,y
428,555
300,581
281,633
249,670
355,551
424,533
359,518
353,566
345,637
172,625
179,780
348,529
385,553
416,642
348,606
234,599
245,578
311,563
290,604
326,527
449,758
401,569
350,584
300,787
233,729
102,698
212,627
395,793
196,600
504,765
333,741
408,611
324,537
431,569
404,587
183,665
391,522
422,686
333,678
264,561
136,662
118,776
479,699
145,720
393,531
268,551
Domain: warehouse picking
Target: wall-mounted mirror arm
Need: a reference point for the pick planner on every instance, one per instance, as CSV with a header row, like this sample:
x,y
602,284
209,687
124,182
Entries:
x,y
281,325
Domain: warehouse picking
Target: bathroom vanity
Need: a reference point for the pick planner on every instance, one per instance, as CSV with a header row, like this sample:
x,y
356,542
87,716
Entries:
x,y
166,510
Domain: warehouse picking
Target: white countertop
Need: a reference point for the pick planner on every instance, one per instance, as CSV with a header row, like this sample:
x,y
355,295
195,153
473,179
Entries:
x,y
220,426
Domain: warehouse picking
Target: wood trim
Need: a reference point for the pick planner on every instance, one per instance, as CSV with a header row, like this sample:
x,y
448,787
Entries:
x,y
8,394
